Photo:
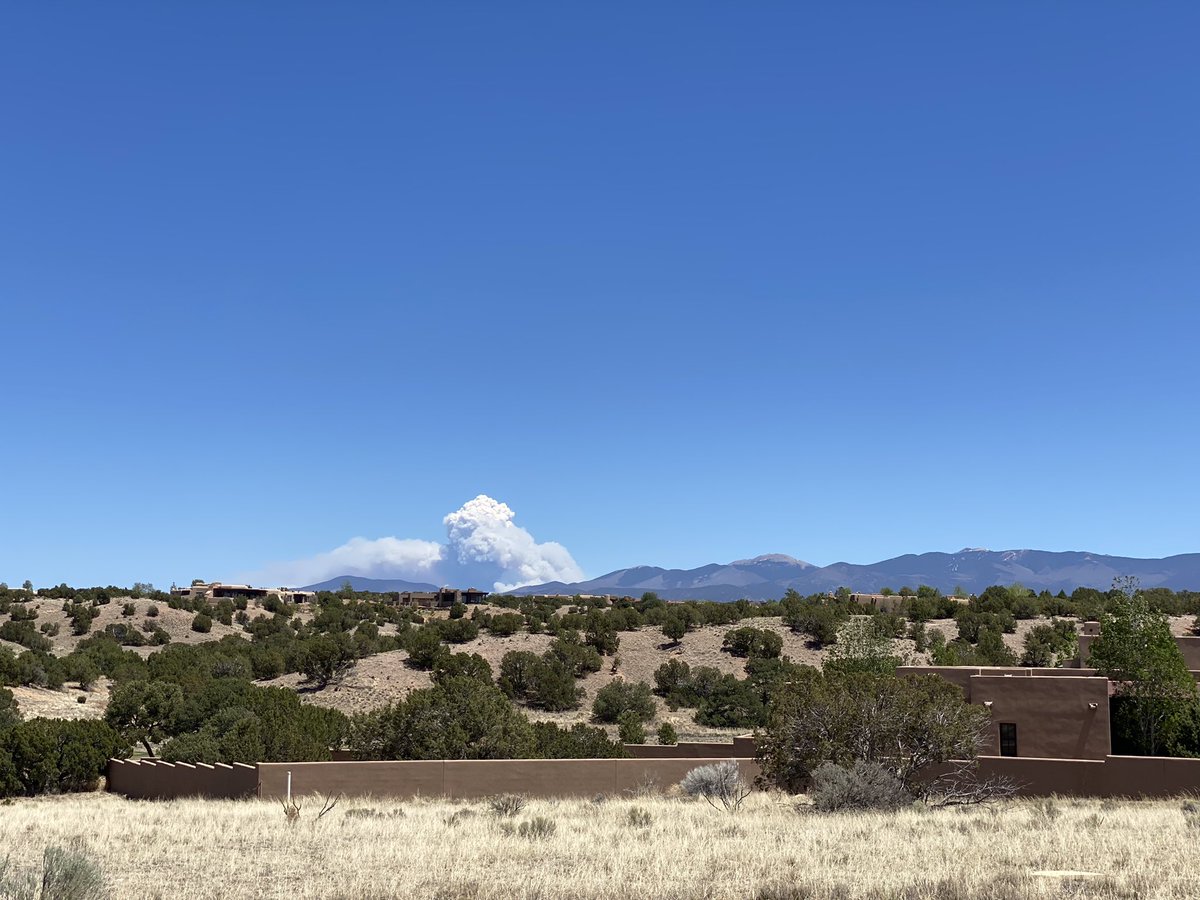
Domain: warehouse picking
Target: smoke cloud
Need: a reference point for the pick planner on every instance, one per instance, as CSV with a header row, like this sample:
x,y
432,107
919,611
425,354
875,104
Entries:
x,y
484,548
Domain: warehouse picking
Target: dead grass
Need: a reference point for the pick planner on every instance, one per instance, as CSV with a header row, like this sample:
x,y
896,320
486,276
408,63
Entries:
x,y
672,848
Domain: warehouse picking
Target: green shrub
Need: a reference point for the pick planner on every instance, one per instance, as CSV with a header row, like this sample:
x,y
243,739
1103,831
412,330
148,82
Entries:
x,y
579,658
667,735
326,657
44,756
752,642
818,619
542,682
202,623
24,633
506,624
461,665
618,697
425,647
630,728
125,634
671,677
10,713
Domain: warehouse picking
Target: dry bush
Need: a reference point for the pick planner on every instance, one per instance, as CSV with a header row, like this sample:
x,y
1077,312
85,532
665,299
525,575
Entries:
x,y
721,784
507,805
865,785
638,817
67,874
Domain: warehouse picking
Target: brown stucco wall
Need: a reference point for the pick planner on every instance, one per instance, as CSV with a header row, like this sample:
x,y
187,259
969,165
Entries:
x,y
1113,776
742,747
1057,717
472,779
157,780
1050,707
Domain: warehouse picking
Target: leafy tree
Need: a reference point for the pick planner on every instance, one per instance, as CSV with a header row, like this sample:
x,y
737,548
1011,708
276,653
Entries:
x,y
1049,646
144,710
861,648
600,632
816,618
1138,653
458,631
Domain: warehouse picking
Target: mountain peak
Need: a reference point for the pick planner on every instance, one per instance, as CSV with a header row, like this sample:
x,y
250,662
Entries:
x,y
769,576
772,558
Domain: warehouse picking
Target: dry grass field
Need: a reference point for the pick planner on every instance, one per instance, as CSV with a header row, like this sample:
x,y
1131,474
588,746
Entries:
x,y
775,848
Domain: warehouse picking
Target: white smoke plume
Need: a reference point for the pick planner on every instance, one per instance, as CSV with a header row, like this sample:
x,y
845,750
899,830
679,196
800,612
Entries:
x,y
482,531
484,545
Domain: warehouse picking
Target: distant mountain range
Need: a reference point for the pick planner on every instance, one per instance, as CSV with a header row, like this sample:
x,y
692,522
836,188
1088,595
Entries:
x,y
768,577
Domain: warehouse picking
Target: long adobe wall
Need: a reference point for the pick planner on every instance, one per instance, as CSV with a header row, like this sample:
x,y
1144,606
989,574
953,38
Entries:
x,y
454,779
474,779
1113,776
742,748
158,780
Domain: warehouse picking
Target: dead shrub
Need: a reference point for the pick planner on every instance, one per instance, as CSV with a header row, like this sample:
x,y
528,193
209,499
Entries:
x,y
539,828
638,817
67,874
865,785
507,805
720,784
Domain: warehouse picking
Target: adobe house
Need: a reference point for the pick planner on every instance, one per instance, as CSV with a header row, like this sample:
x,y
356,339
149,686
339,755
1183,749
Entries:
x,y
216,590
441,599
1048,713
1042,713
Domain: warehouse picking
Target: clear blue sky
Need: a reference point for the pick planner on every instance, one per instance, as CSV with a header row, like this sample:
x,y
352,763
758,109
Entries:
x,y
679,283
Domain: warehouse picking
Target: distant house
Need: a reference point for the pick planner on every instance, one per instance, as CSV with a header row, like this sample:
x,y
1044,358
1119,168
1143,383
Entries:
x,y
441,599
217,590
888,603
879,602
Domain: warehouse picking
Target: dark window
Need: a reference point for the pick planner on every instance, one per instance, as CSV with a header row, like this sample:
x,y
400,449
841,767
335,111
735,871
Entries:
x,y
1008,739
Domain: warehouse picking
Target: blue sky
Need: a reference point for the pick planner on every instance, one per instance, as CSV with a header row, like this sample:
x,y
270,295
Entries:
x,y
676,284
